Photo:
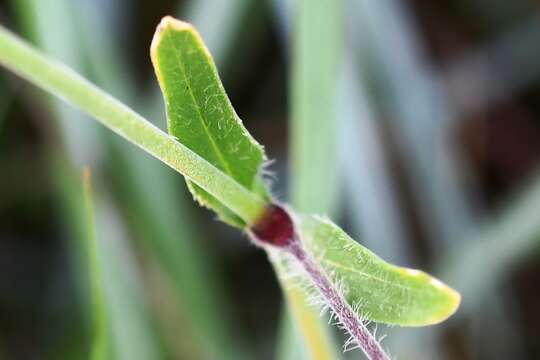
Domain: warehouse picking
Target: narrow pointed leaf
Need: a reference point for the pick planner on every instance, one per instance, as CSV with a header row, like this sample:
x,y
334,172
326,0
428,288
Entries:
x,y
100,326
199,113
384,292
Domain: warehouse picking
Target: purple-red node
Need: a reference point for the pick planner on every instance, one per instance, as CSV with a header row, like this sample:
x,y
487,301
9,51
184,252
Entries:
x,y
275,227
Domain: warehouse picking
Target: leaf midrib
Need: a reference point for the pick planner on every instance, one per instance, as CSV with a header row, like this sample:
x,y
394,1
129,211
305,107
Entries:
x,y
355,271
220,156
387,301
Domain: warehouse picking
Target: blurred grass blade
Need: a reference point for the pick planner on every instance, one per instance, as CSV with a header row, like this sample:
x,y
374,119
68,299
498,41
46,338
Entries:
x,y
44,23
221,22
134,334
303,323
513,53
383,292
158,211
40,21
164,228
171,234
386,48
100,341
479,262
22,59
415,100
372,203
290,337
128,327
313,143
70,193
199,113
316,56
283,10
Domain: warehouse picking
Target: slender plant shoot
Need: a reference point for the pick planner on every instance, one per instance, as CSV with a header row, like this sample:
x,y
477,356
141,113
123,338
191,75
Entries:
x,y
221,162
199,111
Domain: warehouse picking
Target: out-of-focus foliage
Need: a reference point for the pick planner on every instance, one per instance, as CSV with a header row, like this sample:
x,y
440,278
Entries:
x,y
442,130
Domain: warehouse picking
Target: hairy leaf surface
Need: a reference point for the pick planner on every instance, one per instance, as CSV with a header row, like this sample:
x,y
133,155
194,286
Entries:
x,y
384,292
199,112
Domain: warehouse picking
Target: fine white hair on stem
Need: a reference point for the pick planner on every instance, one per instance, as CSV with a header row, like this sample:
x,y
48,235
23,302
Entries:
x,y
327,292
330,295
265,169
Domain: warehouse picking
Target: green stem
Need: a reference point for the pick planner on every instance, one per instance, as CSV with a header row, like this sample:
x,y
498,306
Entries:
x,y
21,58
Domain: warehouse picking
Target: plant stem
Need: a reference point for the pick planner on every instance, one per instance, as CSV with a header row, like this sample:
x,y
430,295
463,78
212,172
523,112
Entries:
x,y
21,58
341,309
277,229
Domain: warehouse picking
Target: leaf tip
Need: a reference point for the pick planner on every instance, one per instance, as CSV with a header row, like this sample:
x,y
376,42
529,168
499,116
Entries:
x,y
447,299
453,301
167,23
173,23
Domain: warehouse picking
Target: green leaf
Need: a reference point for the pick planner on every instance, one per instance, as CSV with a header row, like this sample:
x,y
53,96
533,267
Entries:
x,y
384,292
199,113
21,58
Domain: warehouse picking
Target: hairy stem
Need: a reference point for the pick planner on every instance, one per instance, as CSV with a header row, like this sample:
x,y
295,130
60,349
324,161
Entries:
x,y
341,309
276,228
24,60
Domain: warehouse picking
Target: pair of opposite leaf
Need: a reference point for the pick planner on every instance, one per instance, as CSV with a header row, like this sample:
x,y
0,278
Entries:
x,y
201,117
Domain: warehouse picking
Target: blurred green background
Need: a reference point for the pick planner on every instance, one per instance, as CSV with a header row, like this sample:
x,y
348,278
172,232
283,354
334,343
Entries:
x,y
414,124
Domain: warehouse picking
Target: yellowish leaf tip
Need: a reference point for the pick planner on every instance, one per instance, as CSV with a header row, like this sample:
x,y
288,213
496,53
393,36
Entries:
x,y
456,301
453,303
170,23
167,22
453,297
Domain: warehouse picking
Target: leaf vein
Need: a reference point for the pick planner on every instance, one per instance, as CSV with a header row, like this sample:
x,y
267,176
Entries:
x,y
352,270
216,149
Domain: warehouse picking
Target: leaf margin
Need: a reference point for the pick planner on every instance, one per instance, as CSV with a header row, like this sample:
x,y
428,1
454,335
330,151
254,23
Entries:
x,y
370,311
168,27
